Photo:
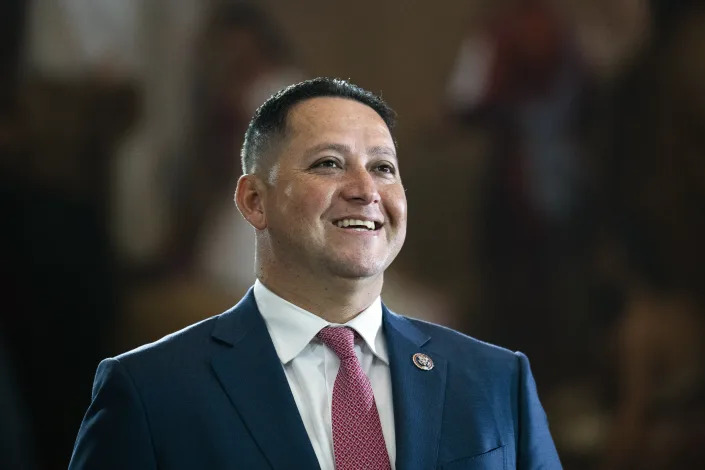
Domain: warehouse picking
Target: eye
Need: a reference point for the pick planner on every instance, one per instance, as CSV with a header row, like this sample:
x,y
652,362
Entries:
x,y
387,168
327,163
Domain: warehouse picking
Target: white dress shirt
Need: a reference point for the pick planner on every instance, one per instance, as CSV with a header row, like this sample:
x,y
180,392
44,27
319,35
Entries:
x,y
311,367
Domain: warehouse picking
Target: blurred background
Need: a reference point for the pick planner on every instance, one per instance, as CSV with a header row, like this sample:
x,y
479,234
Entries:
x,y
553,154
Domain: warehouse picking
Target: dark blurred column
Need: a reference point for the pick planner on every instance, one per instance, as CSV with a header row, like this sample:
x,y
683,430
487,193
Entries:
x,y
58,279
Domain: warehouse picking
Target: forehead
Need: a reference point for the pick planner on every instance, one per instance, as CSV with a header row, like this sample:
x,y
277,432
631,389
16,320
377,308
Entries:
x,y
316,116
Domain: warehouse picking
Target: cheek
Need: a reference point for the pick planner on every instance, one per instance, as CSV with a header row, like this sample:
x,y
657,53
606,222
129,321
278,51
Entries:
x,y
303,202
395,203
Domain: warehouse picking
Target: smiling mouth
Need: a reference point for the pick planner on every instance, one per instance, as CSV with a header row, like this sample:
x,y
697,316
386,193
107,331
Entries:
x,y
358,225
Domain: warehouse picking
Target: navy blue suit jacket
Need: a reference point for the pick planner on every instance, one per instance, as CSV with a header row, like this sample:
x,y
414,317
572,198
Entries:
x,y
215,396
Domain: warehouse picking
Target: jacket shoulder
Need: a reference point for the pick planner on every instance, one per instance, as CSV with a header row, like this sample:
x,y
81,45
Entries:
x,y
454,344
178,342
189,350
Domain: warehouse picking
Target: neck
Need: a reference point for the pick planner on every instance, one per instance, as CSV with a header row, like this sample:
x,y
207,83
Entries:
x,y
335,300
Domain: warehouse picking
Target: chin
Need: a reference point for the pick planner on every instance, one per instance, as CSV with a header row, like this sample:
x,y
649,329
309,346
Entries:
x,y
357,269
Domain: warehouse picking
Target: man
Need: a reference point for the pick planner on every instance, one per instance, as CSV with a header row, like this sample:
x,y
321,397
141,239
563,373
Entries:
x,y
310,370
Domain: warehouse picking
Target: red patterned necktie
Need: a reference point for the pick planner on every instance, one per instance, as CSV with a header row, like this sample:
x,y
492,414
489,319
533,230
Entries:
x,y
358,442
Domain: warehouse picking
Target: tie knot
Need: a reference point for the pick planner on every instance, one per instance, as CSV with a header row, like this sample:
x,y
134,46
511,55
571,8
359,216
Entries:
x,y
340,339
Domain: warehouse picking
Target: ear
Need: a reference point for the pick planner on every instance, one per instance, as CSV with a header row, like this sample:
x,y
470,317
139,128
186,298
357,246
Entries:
x,y
249,197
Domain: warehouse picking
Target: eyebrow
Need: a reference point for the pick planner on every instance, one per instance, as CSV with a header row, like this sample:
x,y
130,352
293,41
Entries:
x,y
377,150
382,150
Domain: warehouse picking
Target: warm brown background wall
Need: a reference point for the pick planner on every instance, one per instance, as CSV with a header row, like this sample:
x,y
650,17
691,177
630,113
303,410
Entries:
x,y
551,150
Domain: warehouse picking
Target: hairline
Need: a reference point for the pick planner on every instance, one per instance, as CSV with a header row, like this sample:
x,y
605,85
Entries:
x,y
264,162
265,133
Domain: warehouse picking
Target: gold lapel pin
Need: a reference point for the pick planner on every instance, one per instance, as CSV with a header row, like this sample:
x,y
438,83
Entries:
x,y
422,361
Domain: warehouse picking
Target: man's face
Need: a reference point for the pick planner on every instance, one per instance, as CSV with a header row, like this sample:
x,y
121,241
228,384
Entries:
x,y
334,203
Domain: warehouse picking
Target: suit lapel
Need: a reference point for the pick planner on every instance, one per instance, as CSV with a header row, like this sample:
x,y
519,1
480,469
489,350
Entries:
x,y
249,370
418,394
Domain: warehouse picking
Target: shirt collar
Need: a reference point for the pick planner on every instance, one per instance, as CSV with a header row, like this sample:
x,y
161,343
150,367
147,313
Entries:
x,y
292,327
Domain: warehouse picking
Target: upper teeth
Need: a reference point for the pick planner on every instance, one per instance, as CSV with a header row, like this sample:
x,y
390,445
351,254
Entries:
x,y
356,223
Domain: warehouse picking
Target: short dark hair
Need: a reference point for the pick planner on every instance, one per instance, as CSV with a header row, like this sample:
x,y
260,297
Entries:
x,y
269,121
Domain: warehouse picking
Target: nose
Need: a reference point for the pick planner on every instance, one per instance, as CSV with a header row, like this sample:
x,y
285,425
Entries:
x,y
360,186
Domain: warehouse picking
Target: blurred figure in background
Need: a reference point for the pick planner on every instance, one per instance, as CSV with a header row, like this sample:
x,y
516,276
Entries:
x,y
202,260
72,104
519,77
245,60
655,208
593,216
